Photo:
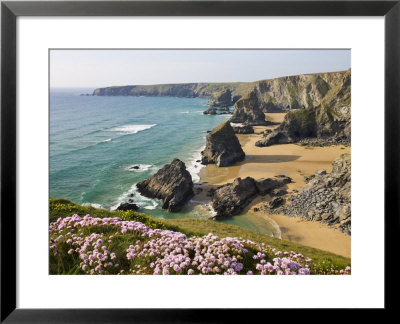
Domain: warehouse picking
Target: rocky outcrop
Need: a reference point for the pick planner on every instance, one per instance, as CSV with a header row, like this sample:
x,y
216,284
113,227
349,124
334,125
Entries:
x,y
210,111
326,198
128,206
248,111
222,147
246,129
265,186
221,99
231,198
172,183
327,123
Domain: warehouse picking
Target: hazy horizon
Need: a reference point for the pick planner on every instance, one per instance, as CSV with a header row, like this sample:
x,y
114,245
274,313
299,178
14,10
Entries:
x,y
105,68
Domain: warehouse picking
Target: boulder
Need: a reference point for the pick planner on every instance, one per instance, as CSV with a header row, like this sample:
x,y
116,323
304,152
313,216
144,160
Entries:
x,y
210,111
128,206
172,183
265,186
231,198
222,147
248,111
276,202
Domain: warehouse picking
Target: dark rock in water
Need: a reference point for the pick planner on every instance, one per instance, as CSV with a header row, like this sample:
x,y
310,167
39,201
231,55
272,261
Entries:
x,y
210,111
222,147
135,167
131,195
221,99
231,198
130,200
265,186
276,202
248,111
172,183
198,161
128,206
247,129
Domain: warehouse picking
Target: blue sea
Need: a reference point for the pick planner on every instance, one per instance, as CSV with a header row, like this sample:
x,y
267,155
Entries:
x,y
95,142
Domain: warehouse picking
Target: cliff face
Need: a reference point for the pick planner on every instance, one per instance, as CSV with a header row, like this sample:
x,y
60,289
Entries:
x,y
294,92
184,90
221,99
248,111
329,119
274,95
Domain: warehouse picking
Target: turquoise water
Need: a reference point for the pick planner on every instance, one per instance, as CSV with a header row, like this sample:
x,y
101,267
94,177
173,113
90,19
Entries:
x,y
95,140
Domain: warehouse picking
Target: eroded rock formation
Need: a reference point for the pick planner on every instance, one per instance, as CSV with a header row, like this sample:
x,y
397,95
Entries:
x,y
172,183
222,147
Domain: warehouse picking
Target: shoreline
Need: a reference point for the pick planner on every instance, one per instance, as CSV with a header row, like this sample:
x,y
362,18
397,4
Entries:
x,y
292,160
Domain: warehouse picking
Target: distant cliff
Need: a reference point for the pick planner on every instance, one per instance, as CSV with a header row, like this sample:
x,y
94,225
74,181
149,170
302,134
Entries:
x,y
274,95
184,90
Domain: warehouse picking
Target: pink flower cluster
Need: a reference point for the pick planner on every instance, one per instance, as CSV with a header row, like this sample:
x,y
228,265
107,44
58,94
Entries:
x,y
167,252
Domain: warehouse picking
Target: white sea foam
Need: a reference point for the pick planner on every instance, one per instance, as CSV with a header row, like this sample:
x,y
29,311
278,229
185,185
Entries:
x,y
131,129
194,167
92,205
107,140
237,125
138,199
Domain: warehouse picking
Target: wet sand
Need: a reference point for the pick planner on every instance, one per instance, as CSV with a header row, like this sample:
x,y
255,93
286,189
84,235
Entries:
x,y
296,162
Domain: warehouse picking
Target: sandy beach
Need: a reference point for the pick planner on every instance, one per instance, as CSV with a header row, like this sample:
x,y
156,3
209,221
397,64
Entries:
x,y
295,161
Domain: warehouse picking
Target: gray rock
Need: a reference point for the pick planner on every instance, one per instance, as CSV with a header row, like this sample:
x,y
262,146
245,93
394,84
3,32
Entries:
x,y
172,183
222,147
265,186
276,202
231,198
248,111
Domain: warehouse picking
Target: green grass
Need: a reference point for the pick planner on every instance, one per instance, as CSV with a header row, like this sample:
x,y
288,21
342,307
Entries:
x,y
63,263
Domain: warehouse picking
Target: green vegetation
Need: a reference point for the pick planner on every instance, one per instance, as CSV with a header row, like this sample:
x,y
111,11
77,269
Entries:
x,y
64,263
321,86
304,117
346,102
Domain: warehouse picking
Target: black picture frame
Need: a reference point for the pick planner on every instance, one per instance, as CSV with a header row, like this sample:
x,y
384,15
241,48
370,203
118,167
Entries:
x,y
10,10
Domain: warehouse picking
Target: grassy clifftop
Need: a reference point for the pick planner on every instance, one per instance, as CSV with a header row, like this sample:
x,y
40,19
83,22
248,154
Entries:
x,y
68,238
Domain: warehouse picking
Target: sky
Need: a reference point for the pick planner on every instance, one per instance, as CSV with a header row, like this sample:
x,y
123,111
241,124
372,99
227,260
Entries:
x,y
102,68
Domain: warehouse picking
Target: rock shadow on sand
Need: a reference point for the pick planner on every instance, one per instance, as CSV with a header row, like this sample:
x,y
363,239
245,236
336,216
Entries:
x,y
270,158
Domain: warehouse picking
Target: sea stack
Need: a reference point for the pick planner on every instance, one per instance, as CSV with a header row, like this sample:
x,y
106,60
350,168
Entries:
x,y
221,99
172,183
248,111
222,147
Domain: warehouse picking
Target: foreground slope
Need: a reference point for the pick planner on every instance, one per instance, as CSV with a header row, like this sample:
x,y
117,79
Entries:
x,y
129,243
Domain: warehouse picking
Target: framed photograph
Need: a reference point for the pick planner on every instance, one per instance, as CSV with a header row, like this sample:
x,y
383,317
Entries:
x,y
191,155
